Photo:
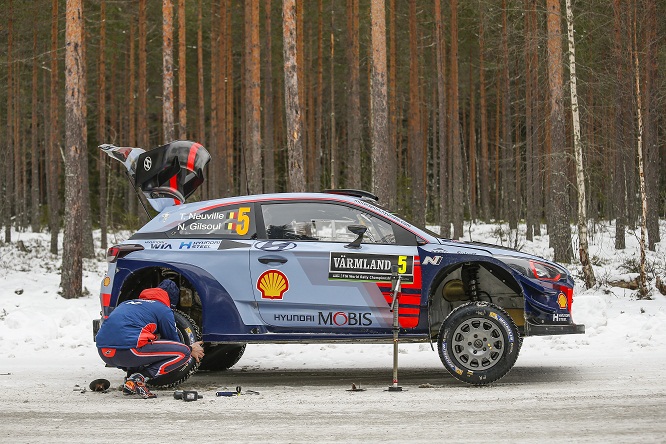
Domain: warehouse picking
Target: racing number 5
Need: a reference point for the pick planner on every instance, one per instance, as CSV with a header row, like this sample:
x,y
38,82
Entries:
x,y
243,221
402,264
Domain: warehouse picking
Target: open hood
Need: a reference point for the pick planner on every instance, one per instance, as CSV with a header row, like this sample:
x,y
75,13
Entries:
x,y
166,175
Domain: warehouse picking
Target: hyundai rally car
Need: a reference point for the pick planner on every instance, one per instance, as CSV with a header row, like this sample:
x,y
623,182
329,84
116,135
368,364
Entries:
x,y
322,267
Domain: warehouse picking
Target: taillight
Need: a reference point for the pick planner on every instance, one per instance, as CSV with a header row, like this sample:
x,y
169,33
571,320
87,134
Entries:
x,y
118,251
567,294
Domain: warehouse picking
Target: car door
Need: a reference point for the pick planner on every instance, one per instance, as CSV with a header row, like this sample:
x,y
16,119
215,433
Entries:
x,y
308,275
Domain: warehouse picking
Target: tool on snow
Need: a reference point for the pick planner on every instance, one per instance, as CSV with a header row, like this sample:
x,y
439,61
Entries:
x,y
100,385
239,391
187,395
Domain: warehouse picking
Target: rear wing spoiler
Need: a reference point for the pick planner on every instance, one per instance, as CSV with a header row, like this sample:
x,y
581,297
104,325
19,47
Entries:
x,y
166,175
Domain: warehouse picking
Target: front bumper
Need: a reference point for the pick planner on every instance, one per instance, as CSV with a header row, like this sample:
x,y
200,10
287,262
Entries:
x,y
545,330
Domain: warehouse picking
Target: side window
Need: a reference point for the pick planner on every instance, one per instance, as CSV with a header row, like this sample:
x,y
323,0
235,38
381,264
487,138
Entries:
x,y
324,222
228,222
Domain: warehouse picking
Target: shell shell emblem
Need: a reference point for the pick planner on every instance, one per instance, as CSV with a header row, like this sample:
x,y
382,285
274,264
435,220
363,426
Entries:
x,y
272,284
562,300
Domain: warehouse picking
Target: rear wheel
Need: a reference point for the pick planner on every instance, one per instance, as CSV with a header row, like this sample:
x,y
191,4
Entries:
x,y
478,343
221,357
189,334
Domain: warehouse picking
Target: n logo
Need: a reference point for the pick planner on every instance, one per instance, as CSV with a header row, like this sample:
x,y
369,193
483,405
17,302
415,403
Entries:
x,y
432,260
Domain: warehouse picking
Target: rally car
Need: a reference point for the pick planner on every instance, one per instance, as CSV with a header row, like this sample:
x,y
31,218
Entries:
x,y
322,267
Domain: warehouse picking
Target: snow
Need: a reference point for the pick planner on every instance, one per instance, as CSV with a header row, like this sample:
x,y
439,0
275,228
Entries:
x,y
47,338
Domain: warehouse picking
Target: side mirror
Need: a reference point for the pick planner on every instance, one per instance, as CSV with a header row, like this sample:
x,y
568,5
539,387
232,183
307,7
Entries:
x,y
358,230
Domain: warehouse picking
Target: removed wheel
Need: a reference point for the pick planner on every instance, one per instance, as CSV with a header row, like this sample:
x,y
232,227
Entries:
x,y
189,334
221,357
478,343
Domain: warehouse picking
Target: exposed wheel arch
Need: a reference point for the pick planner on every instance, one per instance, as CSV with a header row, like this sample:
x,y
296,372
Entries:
x,y
454,286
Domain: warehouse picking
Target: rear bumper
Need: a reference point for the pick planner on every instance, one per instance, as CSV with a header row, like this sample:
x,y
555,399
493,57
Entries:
x,y
545,330
96,323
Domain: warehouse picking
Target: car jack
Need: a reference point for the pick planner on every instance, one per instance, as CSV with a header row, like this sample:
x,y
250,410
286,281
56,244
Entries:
x,y
395,289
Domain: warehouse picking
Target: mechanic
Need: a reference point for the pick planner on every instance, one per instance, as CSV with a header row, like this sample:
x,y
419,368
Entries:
x,y
140,337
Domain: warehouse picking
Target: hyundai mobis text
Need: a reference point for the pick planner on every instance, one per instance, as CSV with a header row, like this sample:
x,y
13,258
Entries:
x,y
318,267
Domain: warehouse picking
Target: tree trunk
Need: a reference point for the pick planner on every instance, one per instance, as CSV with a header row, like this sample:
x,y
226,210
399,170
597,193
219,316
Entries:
x,y
182,72
382,177
268,114
334,148
142,112
456,178
510,202
167,71
642,278
101,123
292,108
72,258
353,99
34,151
583,249
619,127
319,117
201,105
559,230
484,164
54,135
440,48
252,98
471,145
8,189
392,97
651,123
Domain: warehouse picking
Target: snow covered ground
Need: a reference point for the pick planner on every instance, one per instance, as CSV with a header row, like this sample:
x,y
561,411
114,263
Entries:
x,y
47,356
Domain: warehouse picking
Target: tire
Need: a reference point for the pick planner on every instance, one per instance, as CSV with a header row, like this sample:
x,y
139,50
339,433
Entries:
x,y
478,343
189,334
221,357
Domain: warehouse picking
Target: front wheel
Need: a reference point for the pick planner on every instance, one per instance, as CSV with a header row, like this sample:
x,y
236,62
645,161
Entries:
x,y
189,333
478,343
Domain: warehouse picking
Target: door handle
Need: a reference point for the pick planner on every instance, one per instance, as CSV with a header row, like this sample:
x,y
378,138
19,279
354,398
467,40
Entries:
x,y
272,259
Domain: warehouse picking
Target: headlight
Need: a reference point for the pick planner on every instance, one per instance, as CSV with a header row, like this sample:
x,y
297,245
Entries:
x,y
533,269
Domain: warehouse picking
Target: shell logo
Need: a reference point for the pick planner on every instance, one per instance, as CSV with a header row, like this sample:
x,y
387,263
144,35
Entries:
x,y
562,300
107,281
272,284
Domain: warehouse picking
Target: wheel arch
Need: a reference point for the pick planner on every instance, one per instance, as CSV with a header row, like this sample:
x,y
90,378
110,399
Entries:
x,y
209,303
502,276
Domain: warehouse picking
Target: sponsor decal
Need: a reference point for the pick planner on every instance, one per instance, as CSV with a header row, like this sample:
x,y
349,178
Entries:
x,y
158,245
432,260
106,281
275,245
504,323
293,318
165,216
562,300
341,318
272,284
147,163
236,221
448,361
369,267
200,245
561,317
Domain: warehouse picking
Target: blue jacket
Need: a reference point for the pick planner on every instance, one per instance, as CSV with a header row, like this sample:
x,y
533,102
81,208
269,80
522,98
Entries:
x,y
137,322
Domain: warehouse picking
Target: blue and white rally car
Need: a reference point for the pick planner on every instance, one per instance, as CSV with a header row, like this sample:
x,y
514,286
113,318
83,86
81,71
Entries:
x,y
318,267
